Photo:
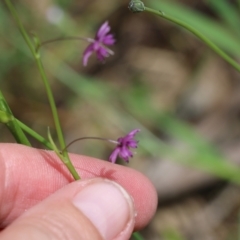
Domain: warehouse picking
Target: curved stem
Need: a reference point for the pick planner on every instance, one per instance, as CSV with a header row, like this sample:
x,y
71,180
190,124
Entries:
x,y
208,42
72,38
63,39
89,138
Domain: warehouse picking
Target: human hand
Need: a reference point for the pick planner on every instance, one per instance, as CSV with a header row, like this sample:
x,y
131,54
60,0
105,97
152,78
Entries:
x,y
37,201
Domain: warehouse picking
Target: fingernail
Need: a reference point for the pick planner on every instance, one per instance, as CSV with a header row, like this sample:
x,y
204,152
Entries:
x,y
108,206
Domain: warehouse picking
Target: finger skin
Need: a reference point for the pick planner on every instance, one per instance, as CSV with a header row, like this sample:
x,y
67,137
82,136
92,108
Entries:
x,y
28,175
49,220
58,216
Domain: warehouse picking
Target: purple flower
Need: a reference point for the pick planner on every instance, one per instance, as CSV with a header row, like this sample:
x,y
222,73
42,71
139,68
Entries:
x,y
122,149
97,44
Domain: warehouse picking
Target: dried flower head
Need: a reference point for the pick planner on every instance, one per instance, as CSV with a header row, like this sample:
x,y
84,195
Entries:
x,y
122,149
98,44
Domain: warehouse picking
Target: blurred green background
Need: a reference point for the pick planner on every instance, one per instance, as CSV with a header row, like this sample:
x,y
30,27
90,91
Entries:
x,y
161,79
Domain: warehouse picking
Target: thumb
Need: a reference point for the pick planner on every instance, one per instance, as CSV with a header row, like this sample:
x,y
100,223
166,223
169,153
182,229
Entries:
x,y
87,209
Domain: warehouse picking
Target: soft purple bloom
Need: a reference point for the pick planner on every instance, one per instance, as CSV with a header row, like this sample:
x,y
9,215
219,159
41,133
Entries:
x,y
97,44
122,149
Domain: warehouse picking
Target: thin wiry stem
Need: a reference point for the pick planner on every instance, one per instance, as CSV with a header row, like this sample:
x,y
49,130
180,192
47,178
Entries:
x,y
73,38
198,34
65,39
89,138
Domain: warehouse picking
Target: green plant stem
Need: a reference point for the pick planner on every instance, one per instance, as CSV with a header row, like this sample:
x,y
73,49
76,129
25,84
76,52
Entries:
x,y
208,42
12,123
51,102
36,56
21,28
61,140
35,135
42,72
51,146
137,236
64,159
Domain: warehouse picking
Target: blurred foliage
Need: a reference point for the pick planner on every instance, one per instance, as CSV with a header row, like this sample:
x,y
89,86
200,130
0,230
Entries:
x,y
111,99
223,32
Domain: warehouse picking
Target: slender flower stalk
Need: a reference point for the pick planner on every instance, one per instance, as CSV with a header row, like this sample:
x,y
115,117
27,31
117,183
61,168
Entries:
x,y
90,138
123,145
138,6
63,39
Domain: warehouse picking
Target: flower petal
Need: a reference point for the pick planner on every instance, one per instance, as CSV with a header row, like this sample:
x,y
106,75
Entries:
x,y
125,153
108,40
124,143
133,133
114,154
132,144
103,30
102,53
87,53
